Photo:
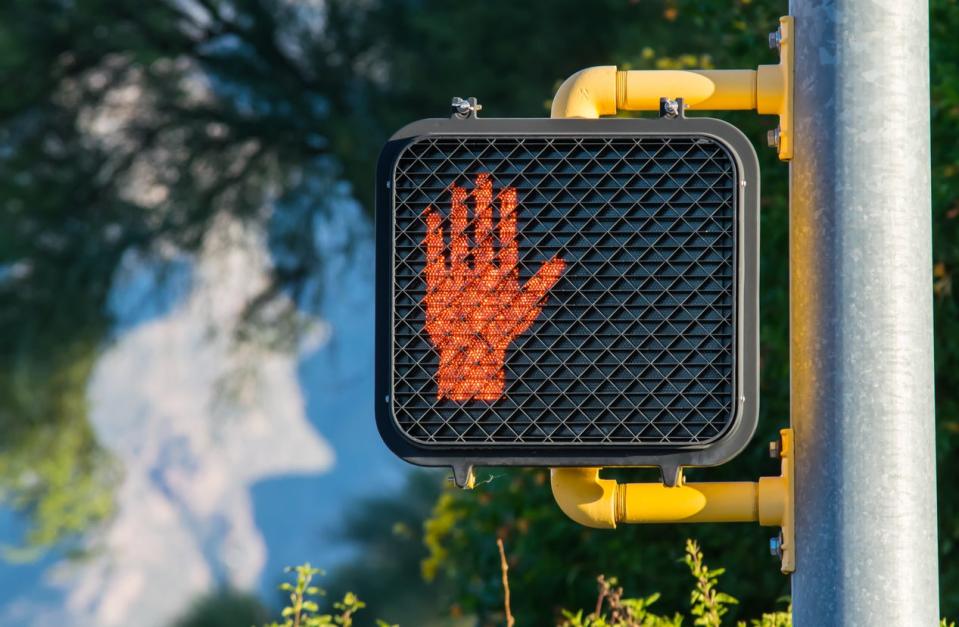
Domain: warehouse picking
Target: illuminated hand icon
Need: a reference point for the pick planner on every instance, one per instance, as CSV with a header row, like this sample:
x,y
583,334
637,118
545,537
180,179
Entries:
x,y
474,311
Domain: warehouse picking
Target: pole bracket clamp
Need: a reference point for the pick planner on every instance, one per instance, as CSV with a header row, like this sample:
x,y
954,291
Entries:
x,y
592,501
774,88
604,90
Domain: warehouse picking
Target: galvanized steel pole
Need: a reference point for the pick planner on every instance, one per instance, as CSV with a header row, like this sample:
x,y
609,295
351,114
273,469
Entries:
x,y
861,316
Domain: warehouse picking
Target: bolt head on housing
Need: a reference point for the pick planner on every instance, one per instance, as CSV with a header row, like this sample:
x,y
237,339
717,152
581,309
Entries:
x,y
465,108
670,108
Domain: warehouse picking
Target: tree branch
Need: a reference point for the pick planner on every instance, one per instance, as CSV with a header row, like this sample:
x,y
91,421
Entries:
x,y
504,566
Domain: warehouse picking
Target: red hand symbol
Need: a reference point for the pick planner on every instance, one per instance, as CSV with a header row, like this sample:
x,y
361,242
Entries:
x,y
473,313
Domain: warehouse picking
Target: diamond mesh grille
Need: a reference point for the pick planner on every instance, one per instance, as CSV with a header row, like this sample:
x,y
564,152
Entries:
x,y
617,326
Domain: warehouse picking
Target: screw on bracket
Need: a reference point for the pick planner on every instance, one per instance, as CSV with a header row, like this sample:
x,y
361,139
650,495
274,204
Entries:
x,y
464,109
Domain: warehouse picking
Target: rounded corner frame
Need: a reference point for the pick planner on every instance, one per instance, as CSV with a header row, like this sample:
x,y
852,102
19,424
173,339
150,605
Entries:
x,y
743,425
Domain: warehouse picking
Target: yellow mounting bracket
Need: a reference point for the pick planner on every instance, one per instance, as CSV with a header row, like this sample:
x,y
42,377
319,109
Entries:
x,y
604,503
604,90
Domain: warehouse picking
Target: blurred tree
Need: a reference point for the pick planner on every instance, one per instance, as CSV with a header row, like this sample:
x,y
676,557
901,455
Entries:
x,y
224,608
944,22
131,127
387,532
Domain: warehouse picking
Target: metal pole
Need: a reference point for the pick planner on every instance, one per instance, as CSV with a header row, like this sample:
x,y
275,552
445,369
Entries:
x,y
861,316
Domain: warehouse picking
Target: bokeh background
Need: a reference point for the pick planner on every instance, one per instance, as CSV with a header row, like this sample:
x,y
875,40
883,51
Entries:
x,y
186,305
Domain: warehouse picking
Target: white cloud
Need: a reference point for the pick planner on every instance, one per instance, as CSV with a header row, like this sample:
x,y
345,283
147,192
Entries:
x,y
185,518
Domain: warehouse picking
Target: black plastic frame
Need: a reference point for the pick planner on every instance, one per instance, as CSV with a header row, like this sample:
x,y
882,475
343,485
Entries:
x,y
669,459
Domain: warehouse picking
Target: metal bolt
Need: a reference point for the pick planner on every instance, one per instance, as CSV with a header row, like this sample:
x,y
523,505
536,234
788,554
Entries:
x,y
775,449
460,106
772,138
463,108
670,108
776,546
775,39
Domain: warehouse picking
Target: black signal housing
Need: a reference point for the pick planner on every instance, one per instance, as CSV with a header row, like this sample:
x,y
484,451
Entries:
x,y
643,353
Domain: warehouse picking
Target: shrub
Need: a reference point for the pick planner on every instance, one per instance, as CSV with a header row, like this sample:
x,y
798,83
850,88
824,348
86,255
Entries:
x,y
302,610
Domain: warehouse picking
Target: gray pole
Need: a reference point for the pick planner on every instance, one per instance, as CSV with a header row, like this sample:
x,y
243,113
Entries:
x,y
861,316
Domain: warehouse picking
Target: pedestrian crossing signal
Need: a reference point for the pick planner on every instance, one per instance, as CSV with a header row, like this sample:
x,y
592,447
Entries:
x,y
567,292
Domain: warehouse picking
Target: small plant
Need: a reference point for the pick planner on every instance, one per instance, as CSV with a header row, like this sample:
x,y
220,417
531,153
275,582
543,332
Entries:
x,y
773,619
612,610
303,611
707,604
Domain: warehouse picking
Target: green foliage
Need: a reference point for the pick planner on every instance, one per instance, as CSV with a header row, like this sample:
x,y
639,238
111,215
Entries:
x,y
772,619
943,22
707,604
51,467
612,610
302,610
224,608
386,533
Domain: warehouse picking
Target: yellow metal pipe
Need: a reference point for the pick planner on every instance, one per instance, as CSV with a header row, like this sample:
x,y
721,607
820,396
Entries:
x,y
604,90
588,93
603,503
584,497
693,502
592,501
640,90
